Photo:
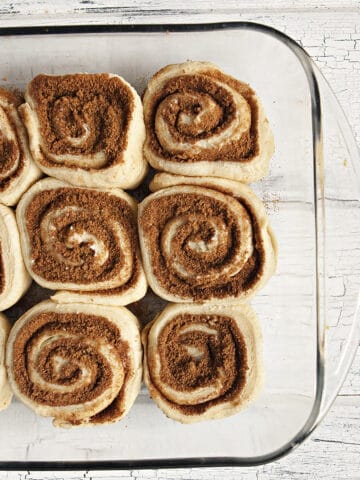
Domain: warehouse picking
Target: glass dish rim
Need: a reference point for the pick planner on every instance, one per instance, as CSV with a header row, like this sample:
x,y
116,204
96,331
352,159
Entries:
x,y
314,417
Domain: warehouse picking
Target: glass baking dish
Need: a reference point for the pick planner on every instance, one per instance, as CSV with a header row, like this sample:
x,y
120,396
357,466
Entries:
x,y
309,309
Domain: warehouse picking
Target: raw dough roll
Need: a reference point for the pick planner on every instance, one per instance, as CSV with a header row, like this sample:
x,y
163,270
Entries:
x,y
77,363
200,121
17,168
81,239
203,362
131,292
86,129
14,279
5,391
205,240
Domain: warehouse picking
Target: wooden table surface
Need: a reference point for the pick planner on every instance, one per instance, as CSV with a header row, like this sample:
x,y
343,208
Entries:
x,y
330,32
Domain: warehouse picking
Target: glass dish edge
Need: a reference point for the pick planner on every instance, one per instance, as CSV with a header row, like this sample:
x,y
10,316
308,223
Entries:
x,y
316,413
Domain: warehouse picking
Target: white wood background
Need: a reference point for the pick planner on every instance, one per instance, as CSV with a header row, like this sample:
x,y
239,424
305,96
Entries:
x,y
330,31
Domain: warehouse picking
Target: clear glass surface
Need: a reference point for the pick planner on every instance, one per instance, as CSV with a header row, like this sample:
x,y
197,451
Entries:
x,y
313,204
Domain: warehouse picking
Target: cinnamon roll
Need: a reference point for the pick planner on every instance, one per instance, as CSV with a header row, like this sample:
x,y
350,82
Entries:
x,y
17,168
203,362
86,129
81,239
14,279
205,240
200,121
77,363
5,391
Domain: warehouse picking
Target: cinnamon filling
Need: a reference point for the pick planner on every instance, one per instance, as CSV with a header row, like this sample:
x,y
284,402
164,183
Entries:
x,y
78,240
199,351
2,272
12,160
198,261
195,107
114,410
69,347
82,114
123,288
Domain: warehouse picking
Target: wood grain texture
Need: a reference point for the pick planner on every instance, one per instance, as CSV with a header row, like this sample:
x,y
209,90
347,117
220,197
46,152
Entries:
x,y
330,32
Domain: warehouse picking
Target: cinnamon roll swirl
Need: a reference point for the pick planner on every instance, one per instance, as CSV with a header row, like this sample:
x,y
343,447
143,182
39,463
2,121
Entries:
x,y
205,240
76,363
203,362
200,121
81,239
14,279
5,391
17,168
86,129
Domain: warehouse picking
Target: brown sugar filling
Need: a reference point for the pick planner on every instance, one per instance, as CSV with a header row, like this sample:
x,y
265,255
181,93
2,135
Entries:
x,y
99,213
202,85
11,152
123,288
77,351
64,104
2,272
160,211
221,356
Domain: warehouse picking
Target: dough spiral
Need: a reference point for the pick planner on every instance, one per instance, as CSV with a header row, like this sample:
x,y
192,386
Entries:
x,y
200,121
76,363
205,239
81,239
17,168
14,278
203,362
86,129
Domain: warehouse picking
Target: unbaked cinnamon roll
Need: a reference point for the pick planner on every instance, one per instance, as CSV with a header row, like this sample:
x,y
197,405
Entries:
x,y
14,279
203,362
76,363
86,129
81,239
5,391
200,121
205,240
17,168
